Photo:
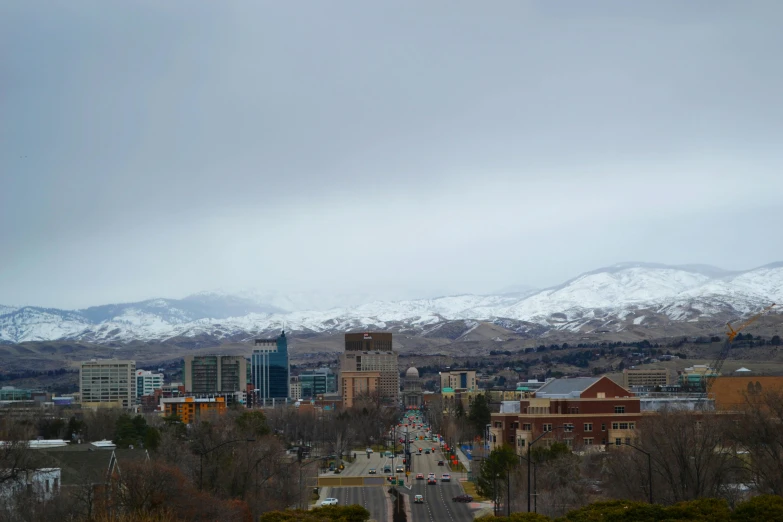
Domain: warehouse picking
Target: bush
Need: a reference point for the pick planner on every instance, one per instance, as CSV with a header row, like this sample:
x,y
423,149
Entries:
x,y
765,507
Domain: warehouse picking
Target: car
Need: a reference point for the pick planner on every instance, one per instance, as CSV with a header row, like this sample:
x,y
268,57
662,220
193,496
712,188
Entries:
x,y
329,502
441,463
419,476
431,475
372,471
445,477
418,499
427,451
400,469
432,480
462,498
390,478
387,469
368,450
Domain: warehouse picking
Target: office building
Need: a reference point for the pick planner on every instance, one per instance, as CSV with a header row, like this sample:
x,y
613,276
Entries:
x,y
458,380
147,382
317,382
355,385
270,370
295,389
209,374
645,378
584,412
107,383
189,409
373,352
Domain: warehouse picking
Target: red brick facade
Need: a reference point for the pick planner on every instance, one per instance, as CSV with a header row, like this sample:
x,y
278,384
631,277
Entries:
x,y
601,414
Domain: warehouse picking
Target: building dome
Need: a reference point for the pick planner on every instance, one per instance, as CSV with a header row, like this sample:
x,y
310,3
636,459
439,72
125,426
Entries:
x,y
412,373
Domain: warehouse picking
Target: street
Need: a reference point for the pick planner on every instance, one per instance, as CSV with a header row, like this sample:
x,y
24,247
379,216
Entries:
x,y
438,505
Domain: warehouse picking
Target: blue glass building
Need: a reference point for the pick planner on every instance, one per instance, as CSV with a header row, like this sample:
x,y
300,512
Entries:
x,y
270,370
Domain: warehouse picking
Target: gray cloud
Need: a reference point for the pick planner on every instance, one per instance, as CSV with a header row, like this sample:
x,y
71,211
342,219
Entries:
x,y
406,148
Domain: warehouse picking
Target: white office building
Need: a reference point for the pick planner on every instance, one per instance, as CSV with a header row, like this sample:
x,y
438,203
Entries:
x,y
147,382
108,383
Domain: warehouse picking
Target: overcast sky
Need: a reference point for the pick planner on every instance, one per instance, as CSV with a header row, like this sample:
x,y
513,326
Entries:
x,y
398,148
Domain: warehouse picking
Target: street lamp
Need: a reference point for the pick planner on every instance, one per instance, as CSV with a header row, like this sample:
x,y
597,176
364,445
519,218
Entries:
x,y
205,452
529,446
649,466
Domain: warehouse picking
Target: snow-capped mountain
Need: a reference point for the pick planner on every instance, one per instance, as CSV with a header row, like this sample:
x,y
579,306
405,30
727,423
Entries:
x,y
609,299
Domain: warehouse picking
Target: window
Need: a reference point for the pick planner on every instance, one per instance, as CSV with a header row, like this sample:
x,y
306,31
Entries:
x,y
498,424
589,427
568,427
588,441
603,426
631,425
619,409
547,427
526,427
47,485
516,425
521,443
615,425
623,425
56,484
603,441
601,395
569,442
618,442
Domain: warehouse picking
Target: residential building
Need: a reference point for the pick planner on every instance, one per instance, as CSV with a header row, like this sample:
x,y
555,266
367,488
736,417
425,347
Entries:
x,y
354,385
209,374
271,372
107,383
458,380
189,409
373,352
411,394
41,483
317,382
651,377
147,382
582,412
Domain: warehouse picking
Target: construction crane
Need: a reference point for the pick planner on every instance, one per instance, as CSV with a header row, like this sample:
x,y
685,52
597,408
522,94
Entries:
x,y
724,352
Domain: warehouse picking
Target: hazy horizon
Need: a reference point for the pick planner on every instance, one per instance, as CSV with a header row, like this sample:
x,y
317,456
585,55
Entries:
x,y
398,149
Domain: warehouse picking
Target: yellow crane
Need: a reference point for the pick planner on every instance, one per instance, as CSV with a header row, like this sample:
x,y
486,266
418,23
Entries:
x,y
731,334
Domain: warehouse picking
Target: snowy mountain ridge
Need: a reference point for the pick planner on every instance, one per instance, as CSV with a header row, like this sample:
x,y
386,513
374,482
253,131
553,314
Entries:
x,y
612,298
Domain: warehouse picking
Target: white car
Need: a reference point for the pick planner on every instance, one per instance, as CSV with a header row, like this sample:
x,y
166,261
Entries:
x,y
369,450
329,502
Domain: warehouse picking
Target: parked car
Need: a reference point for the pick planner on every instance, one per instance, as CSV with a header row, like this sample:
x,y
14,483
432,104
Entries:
x,y
372,471
369,450
329,502
462,498
418,499
445,477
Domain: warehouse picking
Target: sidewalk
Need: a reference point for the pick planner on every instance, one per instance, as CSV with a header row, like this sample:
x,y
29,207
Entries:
x,y
463,459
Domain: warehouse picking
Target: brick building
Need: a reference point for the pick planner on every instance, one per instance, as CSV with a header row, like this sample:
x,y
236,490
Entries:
x,y
583,412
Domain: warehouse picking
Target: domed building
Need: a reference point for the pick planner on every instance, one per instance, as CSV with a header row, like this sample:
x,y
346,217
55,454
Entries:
x,y
411,389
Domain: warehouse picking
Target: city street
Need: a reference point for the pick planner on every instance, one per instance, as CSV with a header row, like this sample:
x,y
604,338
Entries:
x,y
438,504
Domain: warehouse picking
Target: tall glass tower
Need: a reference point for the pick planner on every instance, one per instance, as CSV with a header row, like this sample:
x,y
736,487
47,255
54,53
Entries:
x,y
270,371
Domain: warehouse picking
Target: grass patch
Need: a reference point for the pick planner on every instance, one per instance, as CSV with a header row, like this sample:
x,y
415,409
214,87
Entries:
x,y
457,468
470,489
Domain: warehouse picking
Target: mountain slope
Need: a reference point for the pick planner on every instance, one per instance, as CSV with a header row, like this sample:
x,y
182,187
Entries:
x,y
623,296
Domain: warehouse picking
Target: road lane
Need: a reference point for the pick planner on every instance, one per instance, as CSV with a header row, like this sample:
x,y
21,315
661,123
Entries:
x,y
373,499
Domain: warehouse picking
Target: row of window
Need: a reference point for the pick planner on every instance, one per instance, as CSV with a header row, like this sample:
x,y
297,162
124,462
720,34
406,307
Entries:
x,y
586,441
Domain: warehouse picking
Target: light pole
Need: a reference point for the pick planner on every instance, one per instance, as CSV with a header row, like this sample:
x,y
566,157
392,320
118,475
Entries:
x,y
529,446
649,466
205,452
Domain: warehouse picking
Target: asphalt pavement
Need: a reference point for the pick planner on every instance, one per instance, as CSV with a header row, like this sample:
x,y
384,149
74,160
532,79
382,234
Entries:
x,y
438,505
